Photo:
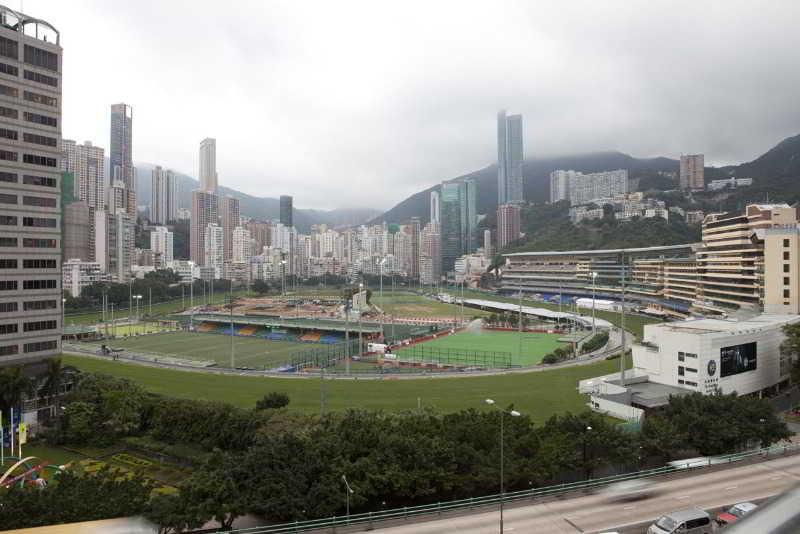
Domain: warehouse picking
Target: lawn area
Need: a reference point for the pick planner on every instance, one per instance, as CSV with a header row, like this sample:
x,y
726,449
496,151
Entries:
x,y
469,347
249,352
406,304
538,394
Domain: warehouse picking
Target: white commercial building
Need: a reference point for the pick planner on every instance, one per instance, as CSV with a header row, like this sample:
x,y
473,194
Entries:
x,y
697,355
78,274
183,268
214,251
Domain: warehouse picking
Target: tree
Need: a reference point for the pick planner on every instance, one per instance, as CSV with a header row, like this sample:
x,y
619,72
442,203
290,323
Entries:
x,y
172,513
218,490
261,287
790,347
14,386
273,400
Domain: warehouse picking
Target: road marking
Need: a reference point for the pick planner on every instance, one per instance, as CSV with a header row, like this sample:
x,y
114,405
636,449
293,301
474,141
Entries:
x,y
729,488
776,478
573,525
629,508
684,497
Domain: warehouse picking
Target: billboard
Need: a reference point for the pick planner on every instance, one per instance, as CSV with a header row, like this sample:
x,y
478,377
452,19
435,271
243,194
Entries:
x,y
737,359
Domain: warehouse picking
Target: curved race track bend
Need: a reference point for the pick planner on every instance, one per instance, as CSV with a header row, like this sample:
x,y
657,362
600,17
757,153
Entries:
x,y
595,513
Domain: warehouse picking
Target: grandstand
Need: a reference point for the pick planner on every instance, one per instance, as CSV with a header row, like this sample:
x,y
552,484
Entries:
x,y
311,337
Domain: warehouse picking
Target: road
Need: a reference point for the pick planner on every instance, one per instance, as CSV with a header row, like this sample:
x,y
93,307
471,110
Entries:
x,y
591,514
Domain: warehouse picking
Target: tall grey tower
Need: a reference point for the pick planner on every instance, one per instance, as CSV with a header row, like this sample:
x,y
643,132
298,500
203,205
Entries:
x,y
121,154
286,210
509,159
208,165
30,189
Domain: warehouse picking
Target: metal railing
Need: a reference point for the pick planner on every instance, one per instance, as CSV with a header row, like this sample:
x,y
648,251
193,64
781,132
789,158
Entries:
x,y
368,519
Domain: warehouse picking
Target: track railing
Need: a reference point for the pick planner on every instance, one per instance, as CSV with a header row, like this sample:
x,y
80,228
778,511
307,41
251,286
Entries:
x,y
368,519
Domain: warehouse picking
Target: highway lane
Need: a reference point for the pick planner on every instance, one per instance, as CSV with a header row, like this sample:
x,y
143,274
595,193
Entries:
x,y
593,513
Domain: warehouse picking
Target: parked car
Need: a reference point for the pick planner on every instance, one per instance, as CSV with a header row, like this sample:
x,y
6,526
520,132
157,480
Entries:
x,y
688,521
735,512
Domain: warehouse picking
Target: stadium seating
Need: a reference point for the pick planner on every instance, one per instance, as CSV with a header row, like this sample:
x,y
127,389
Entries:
x,y
207,327
330,339
248,330
311,337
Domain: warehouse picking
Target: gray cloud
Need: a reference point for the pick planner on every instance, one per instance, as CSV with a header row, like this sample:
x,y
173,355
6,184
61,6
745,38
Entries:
x,y
361,103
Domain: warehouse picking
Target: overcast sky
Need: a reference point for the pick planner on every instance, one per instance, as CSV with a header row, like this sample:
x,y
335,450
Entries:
x,y
362,103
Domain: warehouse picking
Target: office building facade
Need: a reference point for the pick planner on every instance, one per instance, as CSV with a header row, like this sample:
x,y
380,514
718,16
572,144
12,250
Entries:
x,y
286,210
509,159
452,239
435,215
121,155
30,174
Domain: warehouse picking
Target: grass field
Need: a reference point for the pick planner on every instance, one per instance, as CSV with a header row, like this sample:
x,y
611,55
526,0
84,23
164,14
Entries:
x,y
249,352
534,347
406,304
538,394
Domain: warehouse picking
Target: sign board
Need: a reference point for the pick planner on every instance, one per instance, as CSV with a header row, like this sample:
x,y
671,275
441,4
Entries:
x,y
23,433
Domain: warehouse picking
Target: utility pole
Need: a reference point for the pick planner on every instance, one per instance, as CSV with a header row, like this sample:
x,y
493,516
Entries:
x,y
347,334
150,301
519,354
622,327
230,303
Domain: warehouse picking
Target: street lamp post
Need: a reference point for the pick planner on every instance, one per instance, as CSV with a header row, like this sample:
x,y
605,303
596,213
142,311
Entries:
x,y
512,413
283,278
63,315
347,333
594,327
585,438
347,492
380,267
360,346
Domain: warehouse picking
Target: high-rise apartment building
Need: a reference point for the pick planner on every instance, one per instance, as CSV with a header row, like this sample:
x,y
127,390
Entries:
x,y
204,212
208,165
487,244
469,215
86,162
162,246
508,225
164,196
581,188
213,248
509,159
242,247
430,254
260,233
435,213
692,173
114,243
230,219
78,232
121,154
414,228
286,210
559,185
30,174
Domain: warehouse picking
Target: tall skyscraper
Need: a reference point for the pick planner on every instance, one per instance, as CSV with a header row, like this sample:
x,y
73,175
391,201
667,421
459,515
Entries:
x,y
229,214
121,154
509,159
30,174
488,250
86,162
693,172
208,165
508,225
260,233
164,196
452,239
204,212
430,254
114,244
413,255
469,215
286,210
213,249
435,208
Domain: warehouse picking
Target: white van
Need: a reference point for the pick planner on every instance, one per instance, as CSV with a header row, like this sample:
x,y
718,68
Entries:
x,y
689,521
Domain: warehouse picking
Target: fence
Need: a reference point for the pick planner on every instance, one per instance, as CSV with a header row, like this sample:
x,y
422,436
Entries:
x,y
419,353
322,355
366,520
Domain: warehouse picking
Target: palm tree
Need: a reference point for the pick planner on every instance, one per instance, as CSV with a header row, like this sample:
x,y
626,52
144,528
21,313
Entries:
x,y
14,385
53,378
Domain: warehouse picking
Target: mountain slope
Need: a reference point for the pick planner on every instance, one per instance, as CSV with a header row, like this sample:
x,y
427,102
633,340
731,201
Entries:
x,y
536,175
250,206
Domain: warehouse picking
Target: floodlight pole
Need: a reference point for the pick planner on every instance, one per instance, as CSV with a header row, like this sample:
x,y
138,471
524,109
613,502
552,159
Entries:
x,y
622,327
230,303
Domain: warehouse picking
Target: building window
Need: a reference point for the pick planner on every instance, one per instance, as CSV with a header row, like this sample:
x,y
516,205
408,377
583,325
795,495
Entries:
x,y
786,293
9,328
693,384
38,305
9,350
44,161
31,242
11,70
40,99
690,370
40,346
39,264
39,284
41,58
41,78
786,280
681,357
8,155
680,370
40,119
12,92
38,222
10,113
8,220
5,198
8,241
786,268
786,255
42,202
9,134
8,307
39,139
35,326
8,263
9,48
8,177
39,180
8,285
